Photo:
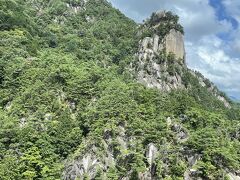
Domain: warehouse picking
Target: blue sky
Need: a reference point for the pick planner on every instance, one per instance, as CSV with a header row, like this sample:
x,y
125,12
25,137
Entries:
x,y
212,35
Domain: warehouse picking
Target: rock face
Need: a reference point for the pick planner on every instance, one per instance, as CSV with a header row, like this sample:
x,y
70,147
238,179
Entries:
x,y
232,176
181,133
174,43
192,173
76,7
211,88
86,165
169,34
94,158
152,153
153,73
153,67
226,103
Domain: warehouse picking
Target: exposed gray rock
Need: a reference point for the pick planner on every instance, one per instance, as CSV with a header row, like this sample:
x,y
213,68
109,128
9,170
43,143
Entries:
x,y
152,67
155,43
81,6
211,88
192,160
187,175
94,158
23,122
145,176
61,97
181,133
146,43
182,136
90,19
151,154
225,102
86,165
191,173
183,117
72,105
107,134
122,138
48,117
154,75
161,14
176,127
174,43
8,106
232,176
169,121
150,72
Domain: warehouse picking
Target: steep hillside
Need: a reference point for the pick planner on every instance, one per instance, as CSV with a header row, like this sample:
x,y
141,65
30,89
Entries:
x,y
86,93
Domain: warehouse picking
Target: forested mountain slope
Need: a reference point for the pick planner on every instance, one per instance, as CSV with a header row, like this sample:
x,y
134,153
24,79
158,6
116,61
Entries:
x,y
85,94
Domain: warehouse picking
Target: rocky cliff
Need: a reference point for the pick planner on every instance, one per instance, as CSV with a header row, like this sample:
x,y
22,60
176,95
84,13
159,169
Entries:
x,y
174,43
160,60
97,159
160,53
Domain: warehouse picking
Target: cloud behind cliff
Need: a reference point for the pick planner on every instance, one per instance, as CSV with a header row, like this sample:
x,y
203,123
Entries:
x,y
211,31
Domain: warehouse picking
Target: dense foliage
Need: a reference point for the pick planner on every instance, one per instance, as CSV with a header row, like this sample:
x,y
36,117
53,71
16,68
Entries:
x,y
161,24
64,79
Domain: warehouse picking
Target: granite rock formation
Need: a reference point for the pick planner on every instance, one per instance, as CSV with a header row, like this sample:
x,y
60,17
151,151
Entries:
x,y
160,60
174,43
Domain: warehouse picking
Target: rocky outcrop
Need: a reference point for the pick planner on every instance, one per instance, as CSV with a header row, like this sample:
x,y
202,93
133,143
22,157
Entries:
x,y
192,173
151,154
225,102
204,82
76,7
168,34
23,122
181,133
95,158
232,176
174,43
153,71
88,163
152,66
160,59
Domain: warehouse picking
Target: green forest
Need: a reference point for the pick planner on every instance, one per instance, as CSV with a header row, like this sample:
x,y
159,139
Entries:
x,y
66,93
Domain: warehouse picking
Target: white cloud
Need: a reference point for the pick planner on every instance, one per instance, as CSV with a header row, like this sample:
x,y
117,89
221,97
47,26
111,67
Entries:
x,y
233,7
208,58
